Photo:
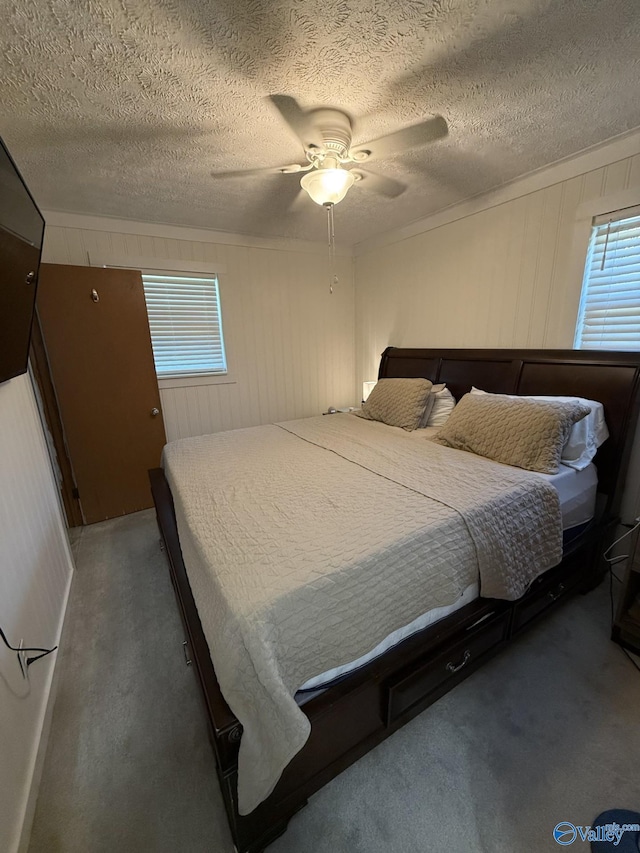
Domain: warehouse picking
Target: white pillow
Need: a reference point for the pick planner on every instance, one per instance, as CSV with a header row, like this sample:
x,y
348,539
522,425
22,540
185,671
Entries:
x,y
443,404
585,437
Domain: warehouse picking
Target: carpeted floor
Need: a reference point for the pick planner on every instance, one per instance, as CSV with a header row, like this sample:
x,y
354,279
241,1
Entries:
x,y
546,732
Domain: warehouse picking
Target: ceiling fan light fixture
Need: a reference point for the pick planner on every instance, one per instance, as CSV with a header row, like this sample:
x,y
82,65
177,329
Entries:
x,y
327,186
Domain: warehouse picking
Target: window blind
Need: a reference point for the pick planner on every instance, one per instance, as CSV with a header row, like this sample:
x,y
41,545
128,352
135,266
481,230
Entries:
x,y
186,324
609,315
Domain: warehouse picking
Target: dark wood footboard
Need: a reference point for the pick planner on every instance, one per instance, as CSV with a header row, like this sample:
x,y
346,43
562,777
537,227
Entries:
x,y
355,714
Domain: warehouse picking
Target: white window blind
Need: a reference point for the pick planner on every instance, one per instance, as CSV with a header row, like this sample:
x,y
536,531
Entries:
x,y
186,324
609,316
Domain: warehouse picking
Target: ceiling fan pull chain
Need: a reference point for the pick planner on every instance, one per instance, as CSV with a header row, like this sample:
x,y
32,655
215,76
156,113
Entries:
x,y
333,278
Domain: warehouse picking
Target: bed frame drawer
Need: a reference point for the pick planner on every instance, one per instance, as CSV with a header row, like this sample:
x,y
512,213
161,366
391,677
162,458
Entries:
x,y
545,594
425,680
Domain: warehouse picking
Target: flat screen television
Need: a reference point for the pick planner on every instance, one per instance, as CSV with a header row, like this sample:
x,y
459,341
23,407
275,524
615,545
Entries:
x,y
21,234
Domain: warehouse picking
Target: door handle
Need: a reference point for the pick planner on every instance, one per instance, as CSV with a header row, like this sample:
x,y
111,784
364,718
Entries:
x,y
155,412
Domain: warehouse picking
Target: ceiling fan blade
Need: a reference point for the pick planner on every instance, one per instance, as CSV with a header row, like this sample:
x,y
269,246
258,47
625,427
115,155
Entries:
x,y
380,184
300,121
297,202
275,201
401,140
271,170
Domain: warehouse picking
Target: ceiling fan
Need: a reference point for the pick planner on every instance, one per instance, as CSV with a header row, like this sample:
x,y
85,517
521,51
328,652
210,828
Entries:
x,y
326,136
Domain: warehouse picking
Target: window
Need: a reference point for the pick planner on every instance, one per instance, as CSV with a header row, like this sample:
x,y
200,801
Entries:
x,y
609,316
186,324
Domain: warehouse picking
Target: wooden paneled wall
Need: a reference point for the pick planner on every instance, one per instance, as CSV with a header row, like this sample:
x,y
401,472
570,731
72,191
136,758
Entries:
x,y
290,344
35,572
506,276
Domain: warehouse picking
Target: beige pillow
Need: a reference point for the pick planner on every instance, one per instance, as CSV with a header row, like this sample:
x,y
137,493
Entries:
x,y
398,402
526,433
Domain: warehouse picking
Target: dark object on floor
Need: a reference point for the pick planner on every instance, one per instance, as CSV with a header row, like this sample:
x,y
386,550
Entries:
x,y
629,841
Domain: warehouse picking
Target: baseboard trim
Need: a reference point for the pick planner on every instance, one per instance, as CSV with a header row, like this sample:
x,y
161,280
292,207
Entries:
x,y
45,728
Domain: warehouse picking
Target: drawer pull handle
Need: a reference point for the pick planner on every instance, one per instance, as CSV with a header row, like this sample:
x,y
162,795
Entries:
x,y
479,621
185,649
451,667
554,596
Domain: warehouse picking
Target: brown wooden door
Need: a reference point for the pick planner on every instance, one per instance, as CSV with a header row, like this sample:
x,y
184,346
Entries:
x,y
101,362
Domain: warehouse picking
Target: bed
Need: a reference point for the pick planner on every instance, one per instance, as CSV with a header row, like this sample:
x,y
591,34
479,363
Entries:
x,y
349,709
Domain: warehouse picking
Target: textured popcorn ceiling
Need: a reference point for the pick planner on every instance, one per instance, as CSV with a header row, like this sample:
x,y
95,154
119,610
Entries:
x,y
124,107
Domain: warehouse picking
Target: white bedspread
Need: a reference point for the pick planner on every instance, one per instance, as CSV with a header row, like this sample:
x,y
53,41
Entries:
x,y
308,542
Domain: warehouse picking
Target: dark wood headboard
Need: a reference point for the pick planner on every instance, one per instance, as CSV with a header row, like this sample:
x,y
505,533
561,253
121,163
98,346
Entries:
x,y
612,378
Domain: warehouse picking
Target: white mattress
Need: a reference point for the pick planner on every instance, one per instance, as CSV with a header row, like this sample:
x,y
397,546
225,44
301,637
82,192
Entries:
x,y
577,493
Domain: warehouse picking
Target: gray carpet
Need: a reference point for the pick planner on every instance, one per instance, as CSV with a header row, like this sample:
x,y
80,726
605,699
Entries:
x,y
546,732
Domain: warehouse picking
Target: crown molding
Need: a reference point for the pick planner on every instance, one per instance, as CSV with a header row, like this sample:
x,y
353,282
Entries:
x,y
89,222
154,265
618,148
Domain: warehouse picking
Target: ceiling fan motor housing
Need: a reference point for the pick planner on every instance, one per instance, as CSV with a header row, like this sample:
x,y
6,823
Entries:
x,y
334,127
